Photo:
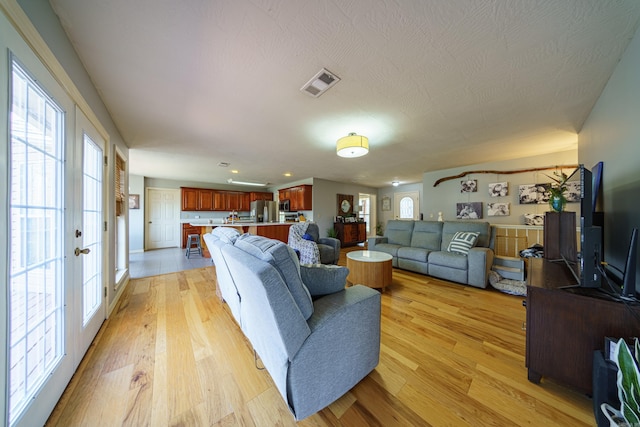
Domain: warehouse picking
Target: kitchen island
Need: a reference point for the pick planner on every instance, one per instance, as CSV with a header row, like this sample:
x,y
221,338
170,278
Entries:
x,y
272,230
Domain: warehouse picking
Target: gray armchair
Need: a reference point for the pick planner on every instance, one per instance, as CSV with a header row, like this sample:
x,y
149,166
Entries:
x,y
316,339
326,250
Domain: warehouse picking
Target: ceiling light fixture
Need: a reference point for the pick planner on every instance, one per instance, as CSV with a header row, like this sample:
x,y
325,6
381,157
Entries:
x,y
255,184
352,145
395,183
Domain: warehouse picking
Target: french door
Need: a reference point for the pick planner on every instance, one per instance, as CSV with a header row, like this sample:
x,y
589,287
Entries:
x,y
55,245
89,231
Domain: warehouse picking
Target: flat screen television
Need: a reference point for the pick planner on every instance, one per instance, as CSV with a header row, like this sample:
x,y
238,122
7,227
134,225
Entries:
x,y
588,272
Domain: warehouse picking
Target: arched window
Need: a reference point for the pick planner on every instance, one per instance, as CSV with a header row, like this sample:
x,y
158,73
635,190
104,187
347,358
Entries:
x,y
406,208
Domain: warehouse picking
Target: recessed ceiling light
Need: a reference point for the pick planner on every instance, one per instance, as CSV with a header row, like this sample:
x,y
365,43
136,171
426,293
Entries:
x,y
287,174
234,171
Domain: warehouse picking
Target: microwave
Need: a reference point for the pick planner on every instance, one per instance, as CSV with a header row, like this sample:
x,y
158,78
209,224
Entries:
x,y
284,206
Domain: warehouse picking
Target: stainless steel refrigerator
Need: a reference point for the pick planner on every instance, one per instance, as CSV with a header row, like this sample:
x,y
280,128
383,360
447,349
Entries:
x,y
264,211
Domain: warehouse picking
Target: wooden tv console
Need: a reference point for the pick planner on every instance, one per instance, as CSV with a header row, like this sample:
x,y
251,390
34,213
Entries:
x,y
565,326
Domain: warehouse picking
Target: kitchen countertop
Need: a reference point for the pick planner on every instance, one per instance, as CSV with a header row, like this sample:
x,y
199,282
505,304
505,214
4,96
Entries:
x,y
205,223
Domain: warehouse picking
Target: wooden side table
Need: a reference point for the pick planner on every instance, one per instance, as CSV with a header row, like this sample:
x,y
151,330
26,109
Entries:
x,y
369,268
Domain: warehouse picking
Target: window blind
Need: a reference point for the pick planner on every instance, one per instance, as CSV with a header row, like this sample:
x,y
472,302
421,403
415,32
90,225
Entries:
x,y
119,184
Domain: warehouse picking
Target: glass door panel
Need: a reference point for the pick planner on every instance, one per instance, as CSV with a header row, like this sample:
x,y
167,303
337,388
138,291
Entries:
x,y
92,229
36,215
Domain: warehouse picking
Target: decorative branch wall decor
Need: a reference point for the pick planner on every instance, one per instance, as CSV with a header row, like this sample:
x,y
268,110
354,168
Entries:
x,y
463,174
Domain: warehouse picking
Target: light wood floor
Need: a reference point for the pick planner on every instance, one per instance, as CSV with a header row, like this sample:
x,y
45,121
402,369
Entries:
x,y
451,355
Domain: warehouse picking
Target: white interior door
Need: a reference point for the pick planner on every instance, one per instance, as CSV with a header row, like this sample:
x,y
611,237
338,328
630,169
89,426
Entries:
x,y
162,218
406,205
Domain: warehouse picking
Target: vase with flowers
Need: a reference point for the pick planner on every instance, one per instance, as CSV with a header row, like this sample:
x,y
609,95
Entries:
x,y
557,199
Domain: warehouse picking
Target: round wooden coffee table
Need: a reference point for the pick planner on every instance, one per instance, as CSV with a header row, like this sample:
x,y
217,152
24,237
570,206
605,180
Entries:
x,y
369,268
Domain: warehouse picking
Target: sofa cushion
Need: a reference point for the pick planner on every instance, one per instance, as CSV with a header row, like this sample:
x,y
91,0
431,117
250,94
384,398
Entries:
x,y
448,259
323,279
427,235
226,234
414,254
388,248
285,261
399,232
462,241
449,228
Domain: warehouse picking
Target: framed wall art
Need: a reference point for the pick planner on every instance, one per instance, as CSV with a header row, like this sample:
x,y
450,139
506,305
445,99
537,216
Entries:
x,y
386,203
345,204
469,186
469,210
498,189
533,193
134,201
497,209
534,219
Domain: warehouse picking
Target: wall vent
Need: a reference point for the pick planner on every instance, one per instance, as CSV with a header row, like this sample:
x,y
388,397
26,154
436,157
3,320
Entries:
x,y
320,83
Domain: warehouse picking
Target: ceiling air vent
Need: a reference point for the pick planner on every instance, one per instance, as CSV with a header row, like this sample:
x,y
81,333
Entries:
x,y
319,83
224,164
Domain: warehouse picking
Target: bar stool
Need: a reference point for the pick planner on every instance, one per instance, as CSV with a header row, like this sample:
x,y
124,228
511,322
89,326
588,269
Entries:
x,y
193,245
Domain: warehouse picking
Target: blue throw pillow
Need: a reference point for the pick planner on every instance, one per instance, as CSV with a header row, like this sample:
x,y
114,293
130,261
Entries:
x,y
307,236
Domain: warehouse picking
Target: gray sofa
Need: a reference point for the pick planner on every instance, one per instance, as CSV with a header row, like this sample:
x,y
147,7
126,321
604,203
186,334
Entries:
x,y
422,246
315,338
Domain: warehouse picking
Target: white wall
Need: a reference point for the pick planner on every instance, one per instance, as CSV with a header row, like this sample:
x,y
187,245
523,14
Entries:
x,y
612,134
325,200
136,216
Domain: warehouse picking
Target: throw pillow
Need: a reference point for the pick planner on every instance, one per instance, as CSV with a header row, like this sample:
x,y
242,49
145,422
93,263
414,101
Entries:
x,y
462,241
307,236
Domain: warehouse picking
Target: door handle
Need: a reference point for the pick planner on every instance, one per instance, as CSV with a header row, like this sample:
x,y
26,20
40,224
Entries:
x,y
79,251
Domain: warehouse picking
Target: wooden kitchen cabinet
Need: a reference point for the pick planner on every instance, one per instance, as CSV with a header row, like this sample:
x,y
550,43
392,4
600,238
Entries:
x,y
300,197
186,230
219,201
284,194
205,200
245,202
260,195
351,233
231,201
197,199
189,199
362,231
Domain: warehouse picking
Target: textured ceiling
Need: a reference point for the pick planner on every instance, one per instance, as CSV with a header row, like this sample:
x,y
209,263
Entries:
x,y
434,84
